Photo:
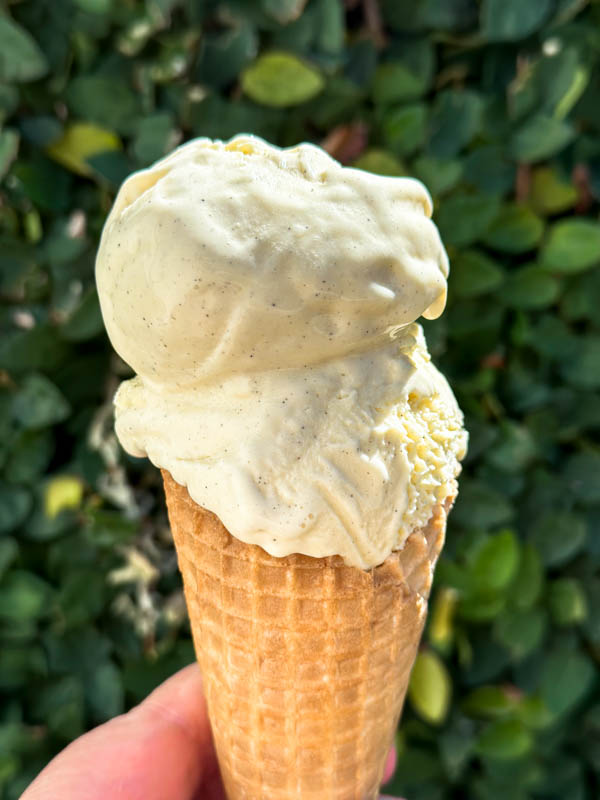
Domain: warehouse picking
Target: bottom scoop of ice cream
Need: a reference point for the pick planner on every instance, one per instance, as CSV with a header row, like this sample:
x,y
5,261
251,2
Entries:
x,y
265,298
347,458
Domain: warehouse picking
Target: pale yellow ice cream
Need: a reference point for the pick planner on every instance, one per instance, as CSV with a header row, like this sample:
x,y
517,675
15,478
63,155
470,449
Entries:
x,y
266,299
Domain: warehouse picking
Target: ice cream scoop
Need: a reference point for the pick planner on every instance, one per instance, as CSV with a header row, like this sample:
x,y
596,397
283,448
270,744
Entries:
x,y
266,299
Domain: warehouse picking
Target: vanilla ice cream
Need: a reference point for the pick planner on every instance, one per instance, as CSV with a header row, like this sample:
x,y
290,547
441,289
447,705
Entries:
x,y
267,301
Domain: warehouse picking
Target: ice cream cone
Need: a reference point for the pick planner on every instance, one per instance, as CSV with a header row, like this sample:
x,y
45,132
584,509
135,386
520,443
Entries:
x,y
305,660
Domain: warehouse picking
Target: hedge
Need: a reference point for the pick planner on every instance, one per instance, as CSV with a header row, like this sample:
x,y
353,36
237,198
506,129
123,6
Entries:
x,y
495,105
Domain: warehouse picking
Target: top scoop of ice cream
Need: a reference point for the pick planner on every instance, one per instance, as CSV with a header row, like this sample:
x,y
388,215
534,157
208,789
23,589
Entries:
x,y
266,299
238,257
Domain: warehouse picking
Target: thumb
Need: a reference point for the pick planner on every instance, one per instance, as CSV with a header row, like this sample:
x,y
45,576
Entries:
x,y
162,748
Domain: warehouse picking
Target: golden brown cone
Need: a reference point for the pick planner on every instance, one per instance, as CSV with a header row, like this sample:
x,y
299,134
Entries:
x,y
305,661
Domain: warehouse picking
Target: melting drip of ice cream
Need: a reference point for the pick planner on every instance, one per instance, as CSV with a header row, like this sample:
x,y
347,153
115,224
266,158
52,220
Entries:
x,y
266,299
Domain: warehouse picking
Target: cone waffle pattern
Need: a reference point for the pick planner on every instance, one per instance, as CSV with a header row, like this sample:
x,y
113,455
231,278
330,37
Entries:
x,y
305,661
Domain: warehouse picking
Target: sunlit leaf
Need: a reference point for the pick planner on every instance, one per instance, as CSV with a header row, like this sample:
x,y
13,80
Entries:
x,y
430,687
62,492
79,143
281,79
550,193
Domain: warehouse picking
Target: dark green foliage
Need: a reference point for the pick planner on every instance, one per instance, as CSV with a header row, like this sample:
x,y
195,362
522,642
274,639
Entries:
x,y
495,104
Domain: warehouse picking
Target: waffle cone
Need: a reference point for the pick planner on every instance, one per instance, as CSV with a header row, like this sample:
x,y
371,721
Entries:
x,y
305,660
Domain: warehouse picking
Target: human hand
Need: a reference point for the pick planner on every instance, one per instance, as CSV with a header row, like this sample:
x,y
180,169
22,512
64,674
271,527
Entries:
x,y
161,748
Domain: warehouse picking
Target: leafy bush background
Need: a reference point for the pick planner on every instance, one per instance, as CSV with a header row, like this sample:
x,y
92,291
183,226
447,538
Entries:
x,y
496,106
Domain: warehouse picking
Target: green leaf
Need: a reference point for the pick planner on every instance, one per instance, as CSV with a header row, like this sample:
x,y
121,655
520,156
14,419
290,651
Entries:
x,y
510,20
21,59
103,101
417,14
430,687
479,506
9,147
489,702
83,594
558,536
155,136
60,705
41,129
440,175
482,607
395,82
330,24
456,118
39,404
489,170
530,287
553,339
9,100
29,456
15,505
404,128
225,54
567,601
516,229
567,676
19,664
9,767
380,162
142,676
505,740
540,137
473,274
284,11
534,713
95,6
112,166
281,80
104,692
331,107
45,183
514,449
526,588
582,476
581,299
9,550
495,561
583,370
464,218
521,632
550,193
108,528
573,245
24,597
85,321
77,652
42,528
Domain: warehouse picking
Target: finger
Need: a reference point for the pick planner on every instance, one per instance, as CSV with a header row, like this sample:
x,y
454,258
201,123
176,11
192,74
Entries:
x,y
162,748
390,766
